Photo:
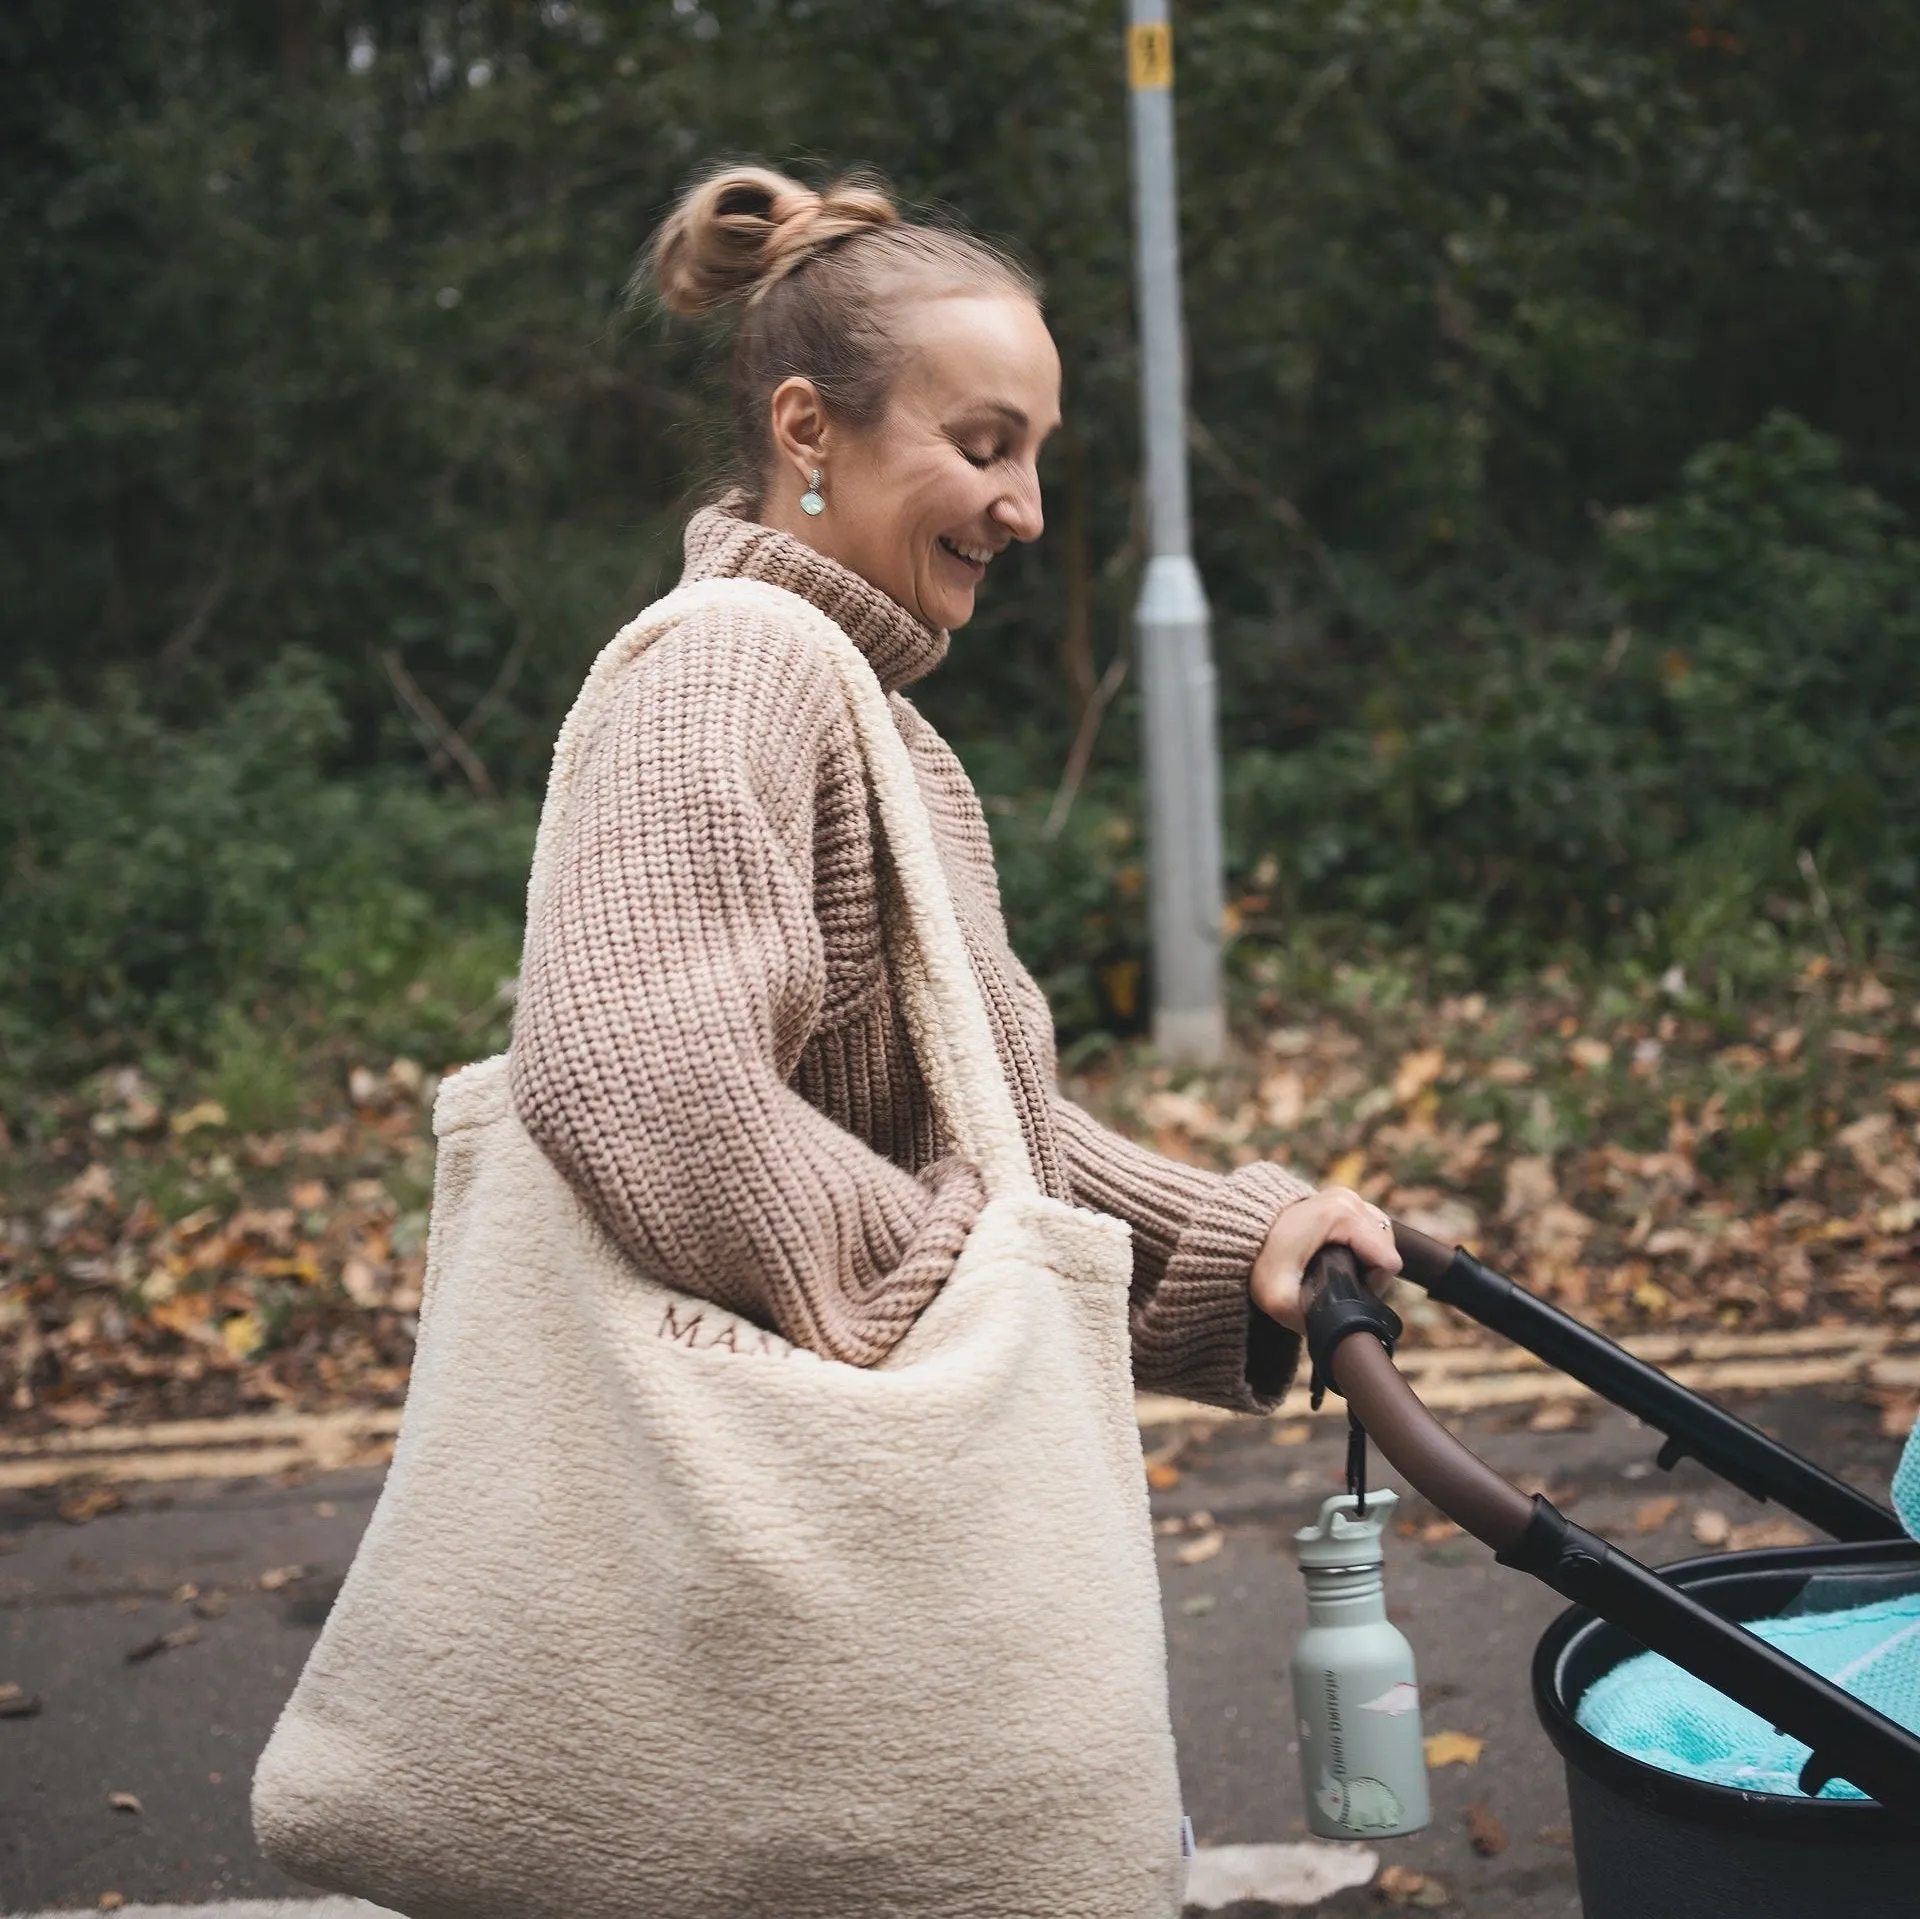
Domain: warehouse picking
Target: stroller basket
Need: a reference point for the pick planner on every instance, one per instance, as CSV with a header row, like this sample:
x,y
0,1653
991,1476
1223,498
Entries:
x,y
1646,1841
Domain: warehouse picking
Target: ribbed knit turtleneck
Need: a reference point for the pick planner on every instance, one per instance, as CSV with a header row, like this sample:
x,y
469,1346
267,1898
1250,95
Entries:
x,y
709,1040
722,543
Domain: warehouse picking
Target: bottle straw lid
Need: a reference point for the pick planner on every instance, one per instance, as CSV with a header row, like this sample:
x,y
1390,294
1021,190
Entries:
x,y
1340,1536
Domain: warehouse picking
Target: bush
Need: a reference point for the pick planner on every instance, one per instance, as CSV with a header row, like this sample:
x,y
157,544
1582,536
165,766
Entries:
x,y
1733,744
157,873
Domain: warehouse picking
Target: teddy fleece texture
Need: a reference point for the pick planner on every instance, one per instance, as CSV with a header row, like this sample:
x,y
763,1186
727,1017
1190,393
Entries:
x,y
664,1616
710,1041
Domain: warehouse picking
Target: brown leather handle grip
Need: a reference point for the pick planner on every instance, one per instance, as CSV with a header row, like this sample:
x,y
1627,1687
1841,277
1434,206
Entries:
x,y
1350,1335
1454,1477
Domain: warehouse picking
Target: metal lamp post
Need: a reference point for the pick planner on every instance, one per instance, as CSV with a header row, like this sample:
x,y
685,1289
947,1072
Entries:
x,y
1181,739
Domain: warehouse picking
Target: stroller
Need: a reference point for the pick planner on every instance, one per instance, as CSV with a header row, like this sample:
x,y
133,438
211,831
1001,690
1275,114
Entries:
x,y
1650,1843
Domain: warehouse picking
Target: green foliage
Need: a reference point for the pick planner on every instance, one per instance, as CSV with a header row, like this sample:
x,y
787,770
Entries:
x,y
313,340
1073,884
1657,785
153,871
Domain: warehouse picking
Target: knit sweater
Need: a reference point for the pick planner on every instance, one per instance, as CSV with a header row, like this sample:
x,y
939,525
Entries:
x,y
710,1043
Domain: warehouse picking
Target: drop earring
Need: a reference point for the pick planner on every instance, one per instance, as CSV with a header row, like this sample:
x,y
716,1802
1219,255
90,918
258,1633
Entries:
x,y
813,502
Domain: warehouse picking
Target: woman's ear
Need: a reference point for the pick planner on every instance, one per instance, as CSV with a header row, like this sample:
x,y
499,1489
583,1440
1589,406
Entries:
x,y
799,423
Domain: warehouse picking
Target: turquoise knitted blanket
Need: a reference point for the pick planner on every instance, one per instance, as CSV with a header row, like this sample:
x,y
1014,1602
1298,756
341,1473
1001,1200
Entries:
x,y
1650,1708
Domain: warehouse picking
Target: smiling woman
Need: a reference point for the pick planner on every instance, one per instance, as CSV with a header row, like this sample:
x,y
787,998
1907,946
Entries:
x,y
854,319
711,1040
778,1304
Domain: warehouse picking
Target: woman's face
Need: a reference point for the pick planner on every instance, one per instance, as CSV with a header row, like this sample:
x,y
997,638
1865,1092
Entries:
x,y
923,503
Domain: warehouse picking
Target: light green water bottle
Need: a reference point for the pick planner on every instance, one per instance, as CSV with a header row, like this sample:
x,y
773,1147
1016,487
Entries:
x,y
1354,1692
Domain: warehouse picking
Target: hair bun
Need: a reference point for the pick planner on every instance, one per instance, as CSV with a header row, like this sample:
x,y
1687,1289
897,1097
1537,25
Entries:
x,y
742,229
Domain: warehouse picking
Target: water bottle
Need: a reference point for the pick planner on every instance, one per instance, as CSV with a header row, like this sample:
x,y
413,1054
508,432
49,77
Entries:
x,y
1354,1692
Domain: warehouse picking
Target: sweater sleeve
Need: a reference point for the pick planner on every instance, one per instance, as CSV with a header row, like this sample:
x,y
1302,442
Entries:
x,y
673,976
1196,1331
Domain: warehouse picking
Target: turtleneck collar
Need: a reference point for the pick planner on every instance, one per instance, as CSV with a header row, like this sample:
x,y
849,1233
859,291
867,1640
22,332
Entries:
x,y
723,543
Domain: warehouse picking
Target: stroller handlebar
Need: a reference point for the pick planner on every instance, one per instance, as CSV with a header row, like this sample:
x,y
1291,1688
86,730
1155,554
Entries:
x,y
1694,1427
1847,1739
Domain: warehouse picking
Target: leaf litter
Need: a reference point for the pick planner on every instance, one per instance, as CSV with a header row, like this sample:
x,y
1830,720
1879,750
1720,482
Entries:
x,y
1639,1156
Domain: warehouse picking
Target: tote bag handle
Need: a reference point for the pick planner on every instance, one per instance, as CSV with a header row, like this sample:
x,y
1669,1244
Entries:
x,y
945,1010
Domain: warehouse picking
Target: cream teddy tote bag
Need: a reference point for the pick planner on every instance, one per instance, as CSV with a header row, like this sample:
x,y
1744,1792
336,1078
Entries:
x,y
659,1617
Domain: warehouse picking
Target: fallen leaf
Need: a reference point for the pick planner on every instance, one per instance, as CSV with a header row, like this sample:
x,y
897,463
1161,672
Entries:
x,y
1530,1185
1868,995
78,1414
1510,1072
1163,1476
271,1581
1452,1749
125,1802
1766,1532
1558,1416
206,1112
112,1901
1294,1432
1857,1045
16,1702
1283,1099
81,1503
1651,1514
243,1335
166,1642
1347,1170
1485,1834
1652,1298
1402,1886
184,1313
1197,1604
1197,1551
1591,1055
1711,1528
211,1605
1436,1530
94,1187
1561,1836
1416,1072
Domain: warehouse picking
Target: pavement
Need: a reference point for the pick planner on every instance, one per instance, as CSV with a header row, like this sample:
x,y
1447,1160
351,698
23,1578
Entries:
x,y
161,1639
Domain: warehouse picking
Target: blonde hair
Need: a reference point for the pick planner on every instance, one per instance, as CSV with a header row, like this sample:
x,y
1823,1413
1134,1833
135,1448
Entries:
x,y
822,278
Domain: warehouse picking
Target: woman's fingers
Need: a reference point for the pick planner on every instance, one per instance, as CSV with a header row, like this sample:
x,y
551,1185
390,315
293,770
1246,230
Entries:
x,y
1361,1225
1335,1215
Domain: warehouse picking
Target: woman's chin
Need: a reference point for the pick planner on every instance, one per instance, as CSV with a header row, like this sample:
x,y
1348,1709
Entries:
x,y
951,607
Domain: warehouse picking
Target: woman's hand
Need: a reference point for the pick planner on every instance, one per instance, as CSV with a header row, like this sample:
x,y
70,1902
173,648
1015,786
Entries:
x,y
1335,1214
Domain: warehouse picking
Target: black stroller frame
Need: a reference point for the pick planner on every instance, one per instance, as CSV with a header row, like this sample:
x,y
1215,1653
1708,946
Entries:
x,y
1350,1340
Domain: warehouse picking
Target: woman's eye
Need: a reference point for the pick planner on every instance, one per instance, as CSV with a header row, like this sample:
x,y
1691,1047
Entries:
x,y
974,457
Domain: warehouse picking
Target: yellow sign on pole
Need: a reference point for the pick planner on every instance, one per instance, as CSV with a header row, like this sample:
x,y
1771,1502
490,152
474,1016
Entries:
x,y
1150,55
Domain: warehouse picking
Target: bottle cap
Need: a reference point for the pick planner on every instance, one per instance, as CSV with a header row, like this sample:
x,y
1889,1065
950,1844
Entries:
x,y
1340,1536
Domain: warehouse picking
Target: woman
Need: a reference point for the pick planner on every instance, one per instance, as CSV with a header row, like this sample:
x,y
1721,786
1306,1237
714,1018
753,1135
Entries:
x,y
827,1592
709,1006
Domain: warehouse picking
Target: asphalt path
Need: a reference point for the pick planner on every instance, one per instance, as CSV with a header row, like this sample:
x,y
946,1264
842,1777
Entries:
x,y
220,1587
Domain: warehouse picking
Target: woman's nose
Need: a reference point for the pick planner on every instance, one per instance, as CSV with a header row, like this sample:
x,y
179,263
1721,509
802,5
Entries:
x,y
1019,511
